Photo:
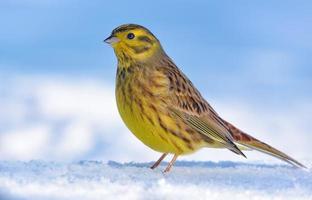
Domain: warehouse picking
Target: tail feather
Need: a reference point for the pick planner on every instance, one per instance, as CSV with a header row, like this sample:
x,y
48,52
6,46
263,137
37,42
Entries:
x,y
248,141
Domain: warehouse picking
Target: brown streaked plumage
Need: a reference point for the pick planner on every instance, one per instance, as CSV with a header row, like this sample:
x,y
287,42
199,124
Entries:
x,y
161,106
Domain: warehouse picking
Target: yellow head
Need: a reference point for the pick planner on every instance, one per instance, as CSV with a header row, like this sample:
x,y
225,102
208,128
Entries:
x,y
133,42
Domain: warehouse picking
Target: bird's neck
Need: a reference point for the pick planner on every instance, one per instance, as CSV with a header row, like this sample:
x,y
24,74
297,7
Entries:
x,y
125,60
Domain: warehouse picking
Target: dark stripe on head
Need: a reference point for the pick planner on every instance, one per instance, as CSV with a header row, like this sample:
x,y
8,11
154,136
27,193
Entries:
x,y
139,50
128,27
122,29
145,39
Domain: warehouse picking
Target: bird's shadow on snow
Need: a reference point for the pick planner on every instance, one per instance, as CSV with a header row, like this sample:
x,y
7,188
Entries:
x,y
226,173
200,164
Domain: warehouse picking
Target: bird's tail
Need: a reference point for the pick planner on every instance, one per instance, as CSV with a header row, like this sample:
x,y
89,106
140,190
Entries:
x,y
248,141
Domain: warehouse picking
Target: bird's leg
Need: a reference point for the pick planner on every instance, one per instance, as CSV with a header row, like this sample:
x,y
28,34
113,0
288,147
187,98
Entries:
x,y
171,163
159,161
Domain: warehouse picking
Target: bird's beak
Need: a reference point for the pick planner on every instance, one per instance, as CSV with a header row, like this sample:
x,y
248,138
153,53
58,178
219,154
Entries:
x,y
111,40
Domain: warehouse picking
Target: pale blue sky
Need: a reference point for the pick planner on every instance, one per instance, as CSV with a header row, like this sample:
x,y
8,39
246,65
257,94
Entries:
x,y
254,53
224,46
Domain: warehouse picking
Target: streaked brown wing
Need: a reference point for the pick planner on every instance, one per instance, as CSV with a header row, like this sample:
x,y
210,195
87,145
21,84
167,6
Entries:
x,y
187,103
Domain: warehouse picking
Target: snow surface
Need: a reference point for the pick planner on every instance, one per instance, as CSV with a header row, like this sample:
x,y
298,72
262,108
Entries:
x,y
188,180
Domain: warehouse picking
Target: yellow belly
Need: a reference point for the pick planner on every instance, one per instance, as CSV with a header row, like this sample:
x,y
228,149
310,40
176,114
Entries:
x,y
143,129
145,126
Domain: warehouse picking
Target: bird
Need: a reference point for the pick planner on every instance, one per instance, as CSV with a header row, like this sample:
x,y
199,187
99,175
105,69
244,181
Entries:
x,y
163,109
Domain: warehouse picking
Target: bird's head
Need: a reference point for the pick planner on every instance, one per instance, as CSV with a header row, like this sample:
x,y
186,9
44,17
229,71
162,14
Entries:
x,y
135,42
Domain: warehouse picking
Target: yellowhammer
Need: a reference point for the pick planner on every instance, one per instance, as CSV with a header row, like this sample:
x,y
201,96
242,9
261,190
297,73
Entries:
x,y
162,107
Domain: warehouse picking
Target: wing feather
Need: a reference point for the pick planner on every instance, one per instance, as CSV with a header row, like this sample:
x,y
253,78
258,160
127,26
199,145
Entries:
x,y
208,129
187,104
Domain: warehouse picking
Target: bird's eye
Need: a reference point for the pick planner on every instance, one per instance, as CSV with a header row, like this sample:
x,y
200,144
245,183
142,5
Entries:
x,y
130,36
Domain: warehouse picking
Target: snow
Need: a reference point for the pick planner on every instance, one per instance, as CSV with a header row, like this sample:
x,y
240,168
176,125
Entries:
x,y
96,180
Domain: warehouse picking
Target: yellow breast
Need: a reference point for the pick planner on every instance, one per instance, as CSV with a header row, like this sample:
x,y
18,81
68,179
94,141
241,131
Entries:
x,y
142,110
